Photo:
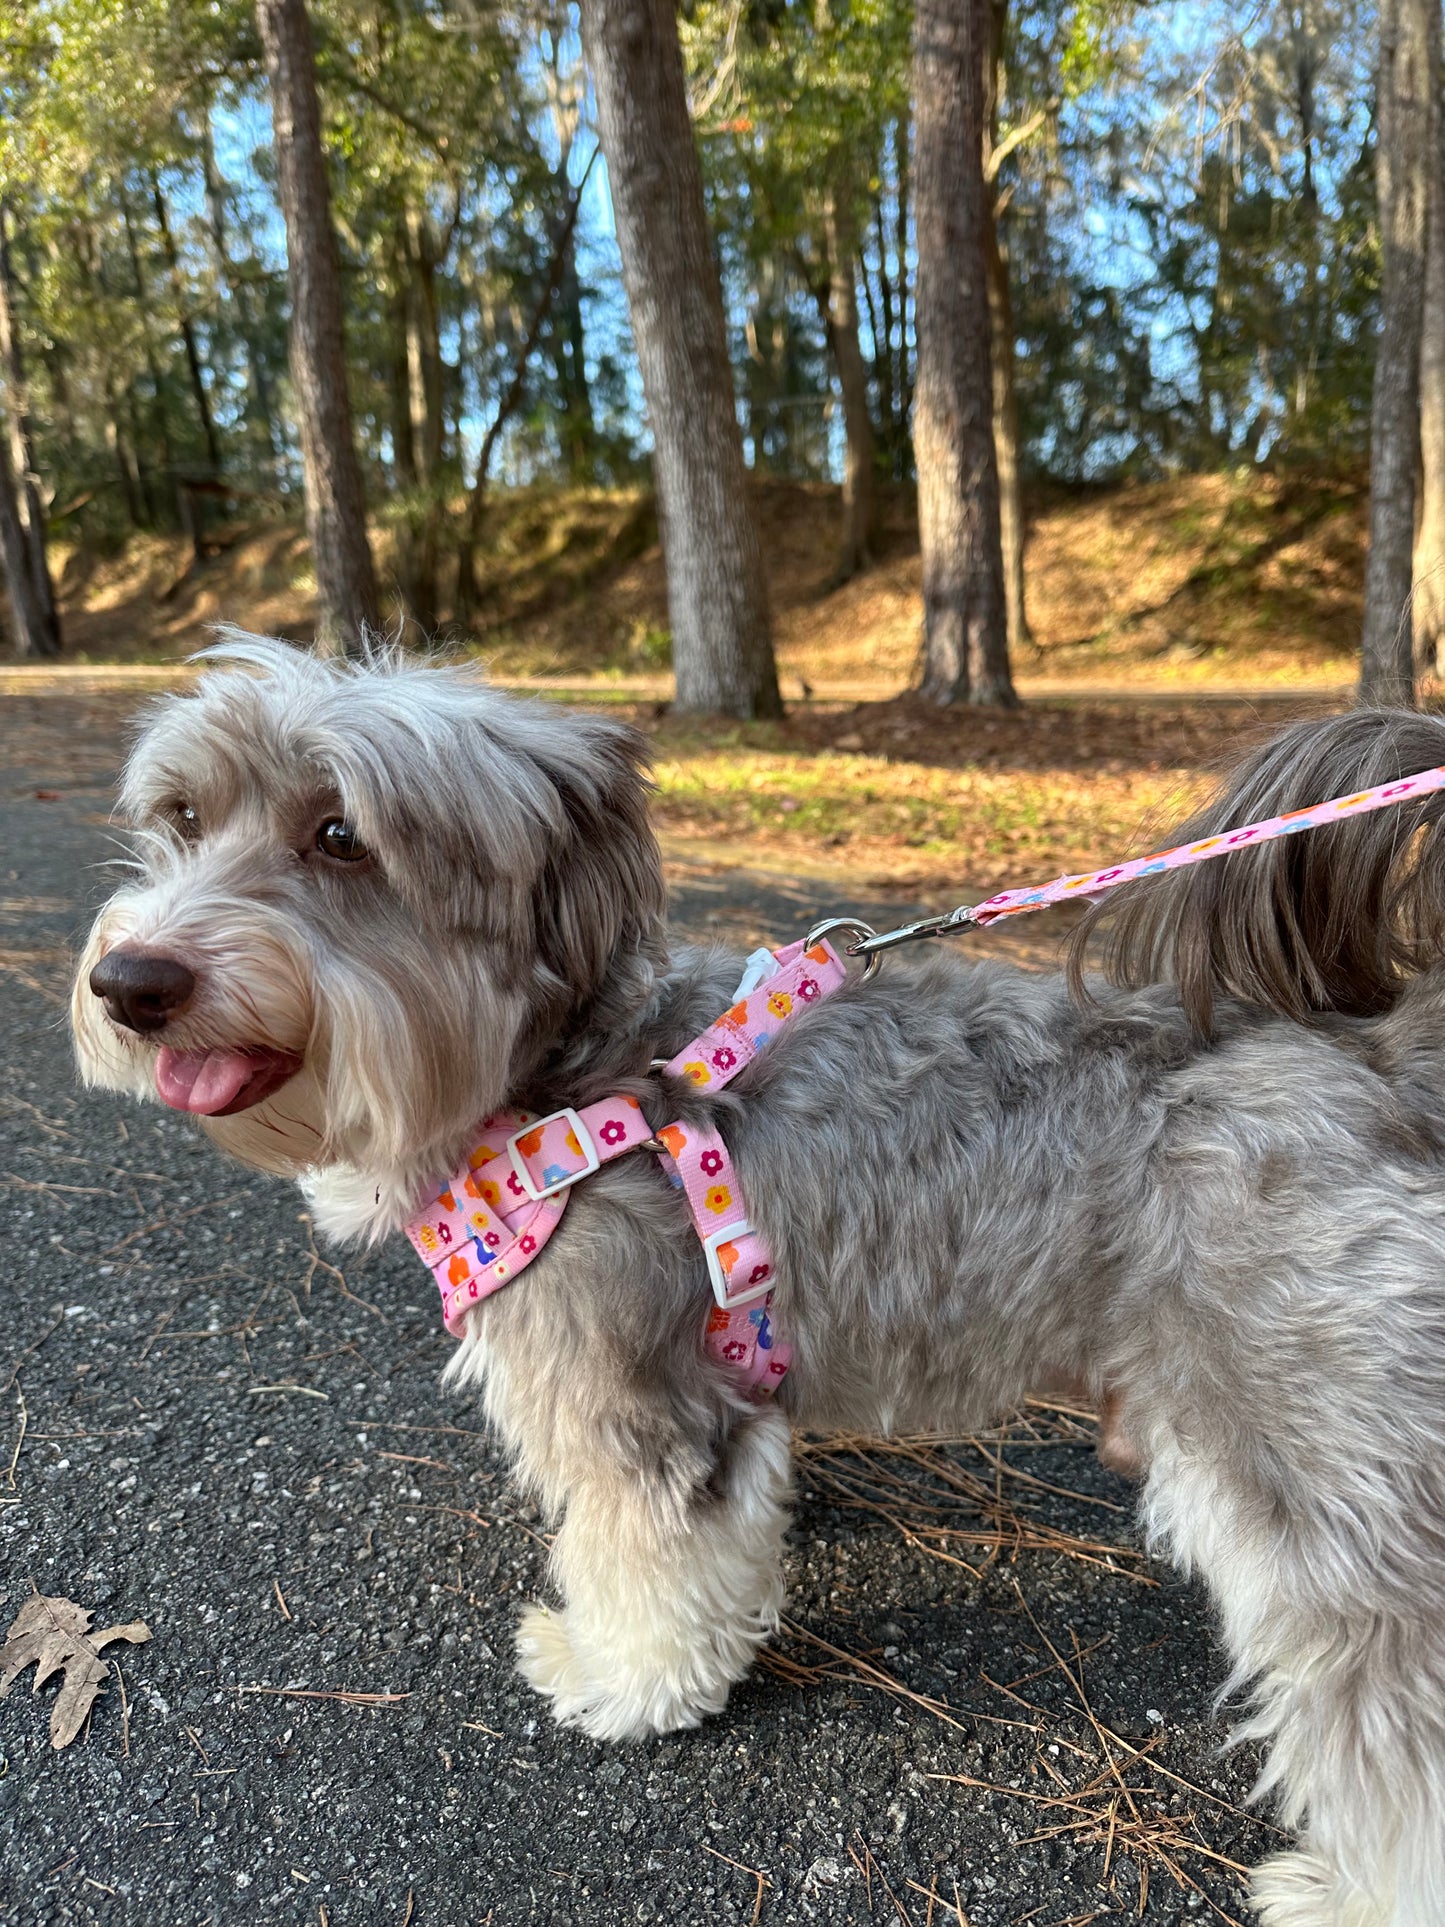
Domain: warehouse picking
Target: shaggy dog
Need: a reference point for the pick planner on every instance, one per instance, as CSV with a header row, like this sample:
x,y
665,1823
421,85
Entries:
x,y
375,903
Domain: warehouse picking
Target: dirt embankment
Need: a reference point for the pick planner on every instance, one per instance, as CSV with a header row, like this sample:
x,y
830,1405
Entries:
x,y
1237,579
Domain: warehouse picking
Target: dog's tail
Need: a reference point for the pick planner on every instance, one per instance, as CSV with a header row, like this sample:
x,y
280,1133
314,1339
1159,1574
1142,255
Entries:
x,y
1333,919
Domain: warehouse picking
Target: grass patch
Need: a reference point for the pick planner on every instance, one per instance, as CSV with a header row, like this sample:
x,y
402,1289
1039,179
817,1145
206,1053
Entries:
x,y
904,792
761,800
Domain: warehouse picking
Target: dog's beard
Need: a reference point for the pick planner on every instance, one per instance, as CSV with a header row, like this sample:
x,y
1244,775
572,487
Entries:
x,y
414,1060
284,1135
256,998
394,1071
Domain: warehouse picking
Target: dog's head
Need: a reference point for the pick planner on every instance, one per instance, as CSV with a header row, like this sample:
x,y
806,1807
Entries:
x,y
369,898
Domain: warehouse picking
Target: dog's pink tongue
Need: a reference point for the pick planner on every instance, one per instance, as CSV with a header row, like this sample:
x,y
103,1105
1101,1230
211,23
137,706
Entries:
x,y
203,1081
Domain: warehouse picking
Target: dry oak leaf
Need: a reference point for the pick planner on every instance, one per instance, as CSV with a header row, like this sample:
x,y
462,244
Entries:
x,y
55,1633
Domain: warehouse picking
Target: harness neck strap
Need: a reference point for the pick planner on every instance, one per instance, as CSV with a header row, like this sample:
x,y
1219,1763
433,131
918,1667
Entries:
x,y
504,1203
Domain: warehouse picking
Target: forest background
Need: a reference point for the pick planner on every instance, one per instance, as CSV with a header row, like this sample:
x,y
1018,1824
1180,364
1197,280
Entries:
x,y
1195,231
1183,259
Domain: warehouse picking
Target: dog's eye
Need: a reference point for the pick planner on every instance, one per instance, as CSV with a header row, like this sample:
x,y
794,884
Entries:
x,y
337,839
183,815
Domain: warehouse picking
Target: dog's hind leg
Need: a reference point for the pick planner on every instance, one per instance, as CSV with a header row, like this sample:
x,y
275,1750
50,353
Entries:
x,y
1308,1889
1348,1684
1351,1708
1350,1734
666,1603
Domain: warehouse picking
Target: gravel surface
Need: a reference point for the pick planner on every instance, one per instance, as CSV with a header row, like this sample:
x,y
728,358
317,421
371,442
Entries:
x,y
205,1425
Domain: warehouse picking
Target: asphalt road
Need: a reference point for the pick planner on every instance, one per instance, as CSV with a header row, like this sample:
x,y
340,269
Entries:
x,y
205,1426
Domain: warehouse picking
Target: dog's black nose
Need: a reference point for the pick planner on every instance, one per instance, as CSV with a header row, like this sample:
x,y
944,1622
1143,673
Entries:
x,y
142,989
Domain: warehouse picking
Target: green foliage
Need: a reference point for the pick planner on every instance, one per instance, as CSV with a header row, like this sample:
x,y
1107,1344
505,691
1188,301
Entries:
x,y
1192,245
1085,45
800,108
138,184
1186,204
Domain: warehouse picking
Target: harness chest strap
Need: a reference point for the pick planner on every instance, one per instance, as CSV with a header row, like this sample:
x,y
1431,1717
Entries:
x,y
504,1203
500,1208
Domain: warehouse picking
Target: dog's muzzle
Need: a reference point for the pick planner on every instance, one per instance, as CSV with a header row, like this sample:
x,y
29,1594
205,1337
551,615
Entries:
x,y
142,989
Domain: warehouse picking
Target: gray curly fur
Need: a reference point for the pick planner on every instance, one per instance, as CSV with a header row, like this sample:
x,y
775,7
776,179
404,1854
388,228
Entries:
x,y
1224,1211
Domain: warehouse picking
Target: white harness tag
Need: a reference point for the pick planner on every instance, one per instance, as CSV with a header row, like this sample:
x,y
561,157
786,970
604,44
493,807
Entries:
x,y
759,967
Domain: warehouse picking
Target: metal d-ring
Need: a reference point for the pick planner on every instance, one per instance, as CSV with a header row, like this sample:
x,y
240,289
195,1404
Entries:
x,y
862,931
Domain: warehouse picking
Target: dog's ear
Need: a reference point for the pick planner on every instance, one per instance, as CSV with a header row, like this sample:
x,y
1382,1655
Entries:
x,y
515,824
599,899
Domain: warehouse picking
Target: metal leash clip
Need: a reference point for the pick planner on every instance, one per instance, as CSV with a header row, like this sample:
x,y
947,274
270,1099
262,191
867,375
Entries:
x,y
873,945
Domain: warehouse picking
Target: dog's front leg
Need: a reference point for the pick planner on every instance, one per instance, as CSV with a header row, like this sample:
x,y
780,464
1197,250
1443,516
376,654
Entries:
x,y
666,1601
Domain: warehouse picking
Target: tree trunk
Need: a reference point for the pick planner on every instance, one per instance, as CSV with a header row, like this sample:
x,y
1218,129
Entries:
x,y
885,370
188,330
416,417
1012,523
258,375
404,473
335,501
423,346
424,386
1307,70
839,303
1001,340
717,592
120,455
578,428
56,357
906,371
565,84
34,637
468,595
1429,561
159,426
23,484
965,634
149,502
1409,64
403,451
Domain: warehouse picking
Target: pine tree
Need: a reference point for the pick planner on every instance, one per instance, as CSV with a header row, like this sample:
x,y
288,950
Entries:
x,y
22,514
335,502
722,646
1429,557
1407,83
965,640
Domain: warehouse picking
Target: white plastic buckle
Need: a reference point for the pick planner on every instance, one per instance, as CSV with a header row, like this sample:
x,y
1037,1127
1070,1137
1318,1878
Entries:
x,y
761,965
728,1301
584,1138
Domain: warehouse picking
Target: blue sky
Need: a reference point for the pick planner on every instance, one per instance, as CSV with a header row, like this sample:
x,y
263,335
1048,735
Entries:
x,y
1168,48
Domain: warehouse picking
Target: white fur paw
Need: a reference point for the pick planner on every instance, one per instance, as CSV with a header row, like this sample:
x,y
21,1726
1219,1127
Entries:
x,y
611,1695
544,1654
1302,1890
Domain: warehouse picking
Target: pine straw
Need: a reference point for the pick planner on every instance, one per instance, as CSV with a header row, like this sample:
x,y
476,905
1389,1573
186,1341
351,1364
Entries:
x,y
1108,1792
1095,1788
936,1503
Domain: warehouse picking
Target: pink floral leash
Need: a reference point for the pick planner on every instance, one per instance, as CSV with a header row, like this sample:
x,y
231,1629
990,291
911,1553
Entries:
x,y
1012,903
500,1208
503,1204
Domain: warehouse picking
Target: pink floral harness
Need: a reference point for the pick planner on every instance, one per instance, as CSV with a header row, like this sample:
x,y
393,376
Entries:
x,y
503,1204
